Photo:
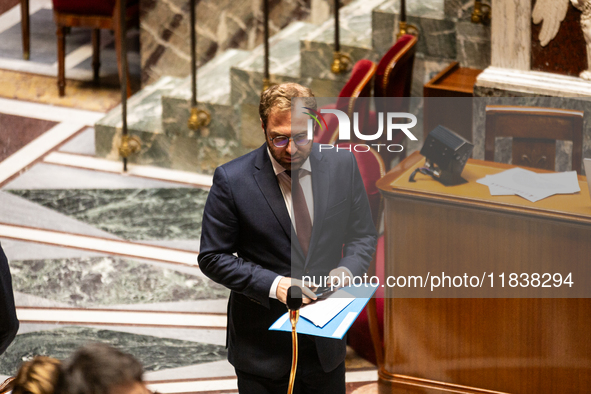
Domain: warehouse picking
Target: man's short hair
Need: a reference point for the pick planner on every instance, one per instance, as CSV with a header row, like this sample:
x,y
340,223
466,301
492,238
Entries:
x,y
96,368
278,98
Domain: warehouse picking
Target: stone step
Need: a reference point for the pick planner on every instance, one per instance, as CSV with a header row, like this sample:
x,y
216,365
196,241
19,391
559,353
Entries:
x,y
144,119
246,77
284,64
317,47
159,148
213,95
144,109
229,85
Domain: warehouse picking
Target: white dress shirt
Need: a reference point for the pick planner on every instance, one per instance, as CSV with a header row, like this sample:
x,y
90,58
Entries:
x,y
285,186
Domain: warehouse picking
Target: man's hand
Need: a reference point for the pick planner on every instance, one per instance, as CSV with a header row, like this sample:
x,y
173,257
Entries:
x,y
286,283
340,277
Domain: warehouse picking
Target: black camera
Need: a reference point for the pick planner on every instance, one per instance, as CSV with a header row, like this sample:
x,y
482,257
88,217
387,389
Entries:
x,y
446,155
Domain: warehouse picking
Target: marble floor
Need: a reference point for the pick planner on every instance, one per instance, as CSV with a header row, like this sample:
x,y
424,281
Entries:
x,y
98,255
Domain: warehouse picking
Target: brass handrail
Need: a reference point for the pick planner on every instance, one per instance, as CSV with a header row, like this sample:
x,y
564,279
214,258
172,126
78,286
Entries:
x,y
198,118
341,62
129,144
403,26
266,71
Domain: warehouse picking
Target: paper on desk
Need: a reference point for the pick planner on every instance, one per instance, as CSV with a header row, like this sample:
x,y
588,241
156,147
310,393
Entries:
x,y
500,191
530,185
324,310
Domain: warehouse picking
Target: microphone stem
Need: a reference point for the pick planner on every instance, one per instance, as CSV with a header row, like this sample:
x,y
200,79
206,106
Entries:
x,y
293,318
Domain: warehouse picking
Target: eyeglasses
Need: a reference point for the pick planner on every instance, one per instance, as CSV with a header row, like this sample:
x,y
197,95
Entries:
x,y
281,141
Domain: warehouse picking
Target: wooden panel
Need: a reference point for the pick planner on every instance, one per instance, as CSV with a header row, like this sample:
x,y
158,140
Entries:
x,y
483,345
455,114
538,153
453,81
557,128
535,124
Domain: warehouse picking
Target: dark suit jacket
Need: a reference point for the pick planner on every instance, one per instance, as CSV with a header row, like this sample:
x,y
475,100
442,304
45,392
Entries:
x,y
8,321
246,242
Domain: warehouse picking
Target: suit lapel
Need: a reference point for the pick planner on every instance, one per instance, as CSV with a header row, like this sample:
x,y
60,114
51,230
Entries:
x,y
320,189
267,182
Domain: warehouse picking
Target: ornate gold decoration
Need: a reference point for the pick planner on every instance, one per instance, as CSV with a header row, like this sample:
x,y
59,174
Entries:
x,y
481,13
199,118
130,144
341,63
406,28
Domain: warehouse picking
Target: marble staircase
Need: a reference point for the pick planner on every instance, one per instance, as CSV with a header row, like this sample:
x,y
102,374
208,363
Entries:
x,y
229,85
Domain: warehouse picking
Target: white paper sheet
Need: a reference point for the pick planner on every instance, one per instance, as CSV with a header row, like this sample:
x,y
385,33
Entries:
x,y
530,185
324,310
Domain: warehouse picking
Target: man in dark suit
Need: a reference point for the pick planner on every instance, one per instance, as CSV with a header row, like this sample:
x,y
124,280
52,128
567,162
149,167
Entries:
x,y
8,321
247,244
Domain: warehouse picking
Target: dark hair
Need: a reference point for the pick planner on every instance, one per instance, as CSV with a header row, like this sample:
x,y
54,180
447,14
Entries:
x,y
278,97
96,368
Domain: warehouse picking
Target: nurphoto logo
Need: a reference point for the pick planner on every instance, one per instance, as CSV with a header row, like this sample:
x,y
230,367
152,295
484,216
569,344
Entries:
x,y
344,127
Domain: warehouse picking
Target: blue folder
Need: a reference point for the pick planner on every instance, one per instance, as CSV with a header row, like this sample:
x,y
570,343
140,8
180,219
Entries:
x,y
340,324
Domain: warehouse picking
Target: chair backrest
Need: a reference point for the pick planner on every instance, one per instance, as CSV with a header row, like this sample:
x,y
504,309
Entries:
x,y
77,7
535,131
358,85
6,386
372,168
394,72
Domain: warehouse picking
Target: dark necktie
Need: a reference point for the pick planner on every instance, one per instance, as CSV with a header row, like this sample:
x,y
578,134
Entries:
x,y
303,223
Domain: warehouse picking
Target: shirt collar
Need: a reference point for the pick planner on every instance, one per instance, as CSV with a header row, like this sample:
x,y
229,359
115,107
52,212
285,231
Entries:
x,y
278,168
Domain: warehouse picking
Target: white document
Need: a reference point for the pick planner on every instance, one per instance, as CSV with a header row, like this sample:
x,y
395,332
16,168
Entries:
x,y
500,191
530,185
324,310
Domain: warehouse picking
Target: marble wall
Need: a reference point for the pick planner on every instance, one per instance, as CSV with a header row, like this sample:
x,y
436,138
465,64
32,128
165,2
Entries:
x,y
165,33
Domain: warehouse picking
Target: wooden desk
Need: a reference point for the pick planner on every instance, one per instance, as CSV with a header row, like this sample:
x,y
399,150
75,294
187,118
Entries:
x,y
455,114
483,345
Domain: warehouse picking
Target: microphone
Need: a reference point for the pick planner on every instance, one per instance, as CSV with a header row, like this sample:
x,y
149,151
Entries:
x,y
294,303
294,298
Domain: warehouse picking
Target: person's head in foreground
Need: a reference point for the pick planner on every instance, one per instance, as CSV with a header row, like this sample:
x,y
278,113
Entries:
x,y
101,369
41,375
287,138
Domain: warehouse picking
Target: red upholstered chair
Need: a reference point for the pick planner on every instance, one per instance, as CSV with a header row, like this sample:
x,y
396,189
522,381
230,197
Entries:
x,y
371,167
393,79
358,85
95,14
366,333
